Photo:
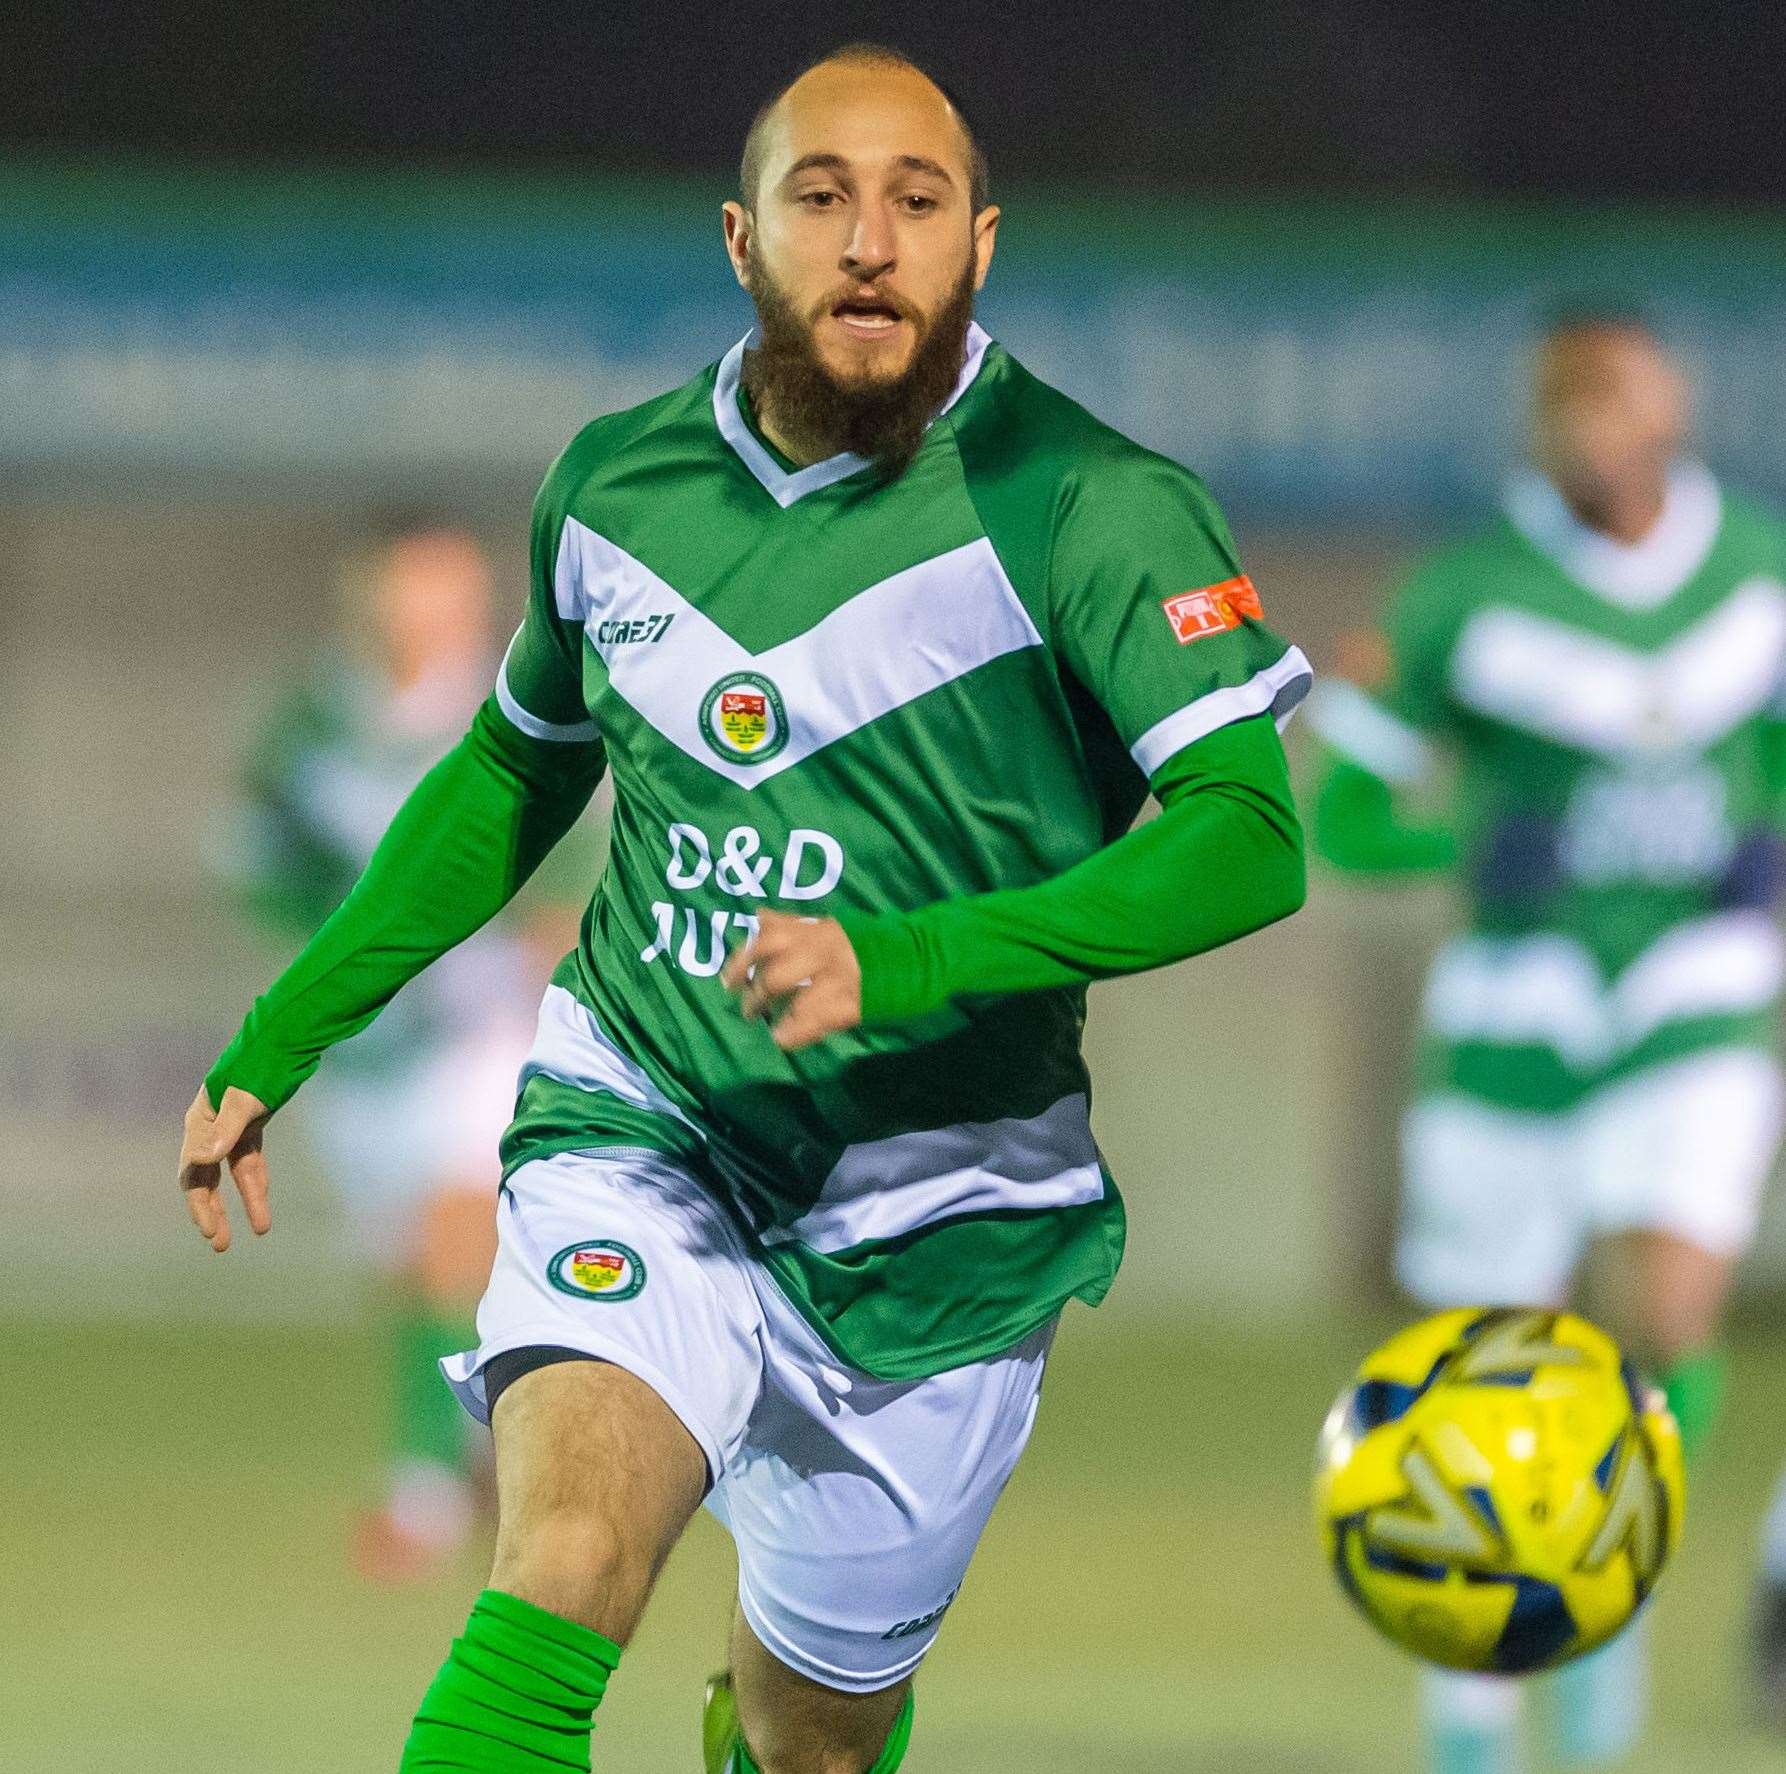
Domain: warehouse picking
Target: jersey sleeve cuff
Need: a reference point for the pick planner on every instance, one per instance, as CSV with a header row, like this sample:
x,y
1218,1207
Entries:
x,y
220,1079
1278,690
534,726
890,957
236,1067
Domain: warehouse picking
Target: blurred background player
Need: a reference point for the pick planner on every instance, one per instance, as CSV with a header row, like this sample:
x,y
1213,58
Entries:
x,y
1770,1614
1599,1102
404,1118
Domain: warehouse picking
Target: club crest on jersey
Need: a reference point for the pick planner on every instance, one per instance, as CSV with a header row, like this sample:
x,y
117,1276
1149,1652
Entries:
x,y
743,720
1213,609
598,1269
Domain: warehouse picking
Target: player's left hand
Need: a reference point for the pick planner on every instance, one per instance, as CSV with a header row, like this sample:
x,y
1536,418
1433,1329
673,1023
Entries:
x,y
800,976
212,1138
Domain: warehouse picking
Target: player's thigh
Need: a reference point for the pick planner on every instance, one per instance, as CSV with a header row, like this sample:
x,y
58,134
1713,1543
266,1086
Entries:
x,y
1491,1204
455,1242
795,1725
596,1477
1685,1149
856,1504
621,1266
621,1256
1679,1159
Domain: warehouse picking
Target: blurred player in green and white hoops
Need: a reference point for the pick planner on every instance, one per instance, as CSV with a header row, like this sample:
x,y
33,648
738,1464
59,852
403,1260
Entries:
x,y
405,1117
1601,670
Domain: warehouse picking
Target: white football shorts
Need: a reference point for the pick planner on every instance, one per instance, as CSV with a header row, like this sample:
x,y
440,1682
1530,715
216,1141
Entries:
x,y
855,1503
387,1139
1498,1205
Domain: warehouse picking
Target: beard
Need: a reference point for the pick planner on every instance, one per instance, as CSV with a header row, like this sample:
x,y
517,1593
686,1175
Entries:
x,y
821,414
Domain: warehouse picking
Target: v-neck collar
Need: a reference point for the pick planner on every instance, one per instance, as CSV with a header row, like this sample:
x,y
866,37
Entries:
x,y
785,485
1634,575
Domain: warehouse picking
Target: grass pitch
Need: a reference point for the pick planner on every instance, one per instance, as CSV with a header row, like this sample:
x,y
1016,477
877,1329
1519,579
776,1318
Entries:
x,y
176,1501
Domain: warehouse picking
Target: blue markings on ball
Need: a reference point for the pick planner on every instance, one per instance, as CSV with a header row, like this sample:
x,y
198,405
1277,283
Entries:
x,y
1376,1402
1539,1628
1399,1566
1609,1464
1478,1494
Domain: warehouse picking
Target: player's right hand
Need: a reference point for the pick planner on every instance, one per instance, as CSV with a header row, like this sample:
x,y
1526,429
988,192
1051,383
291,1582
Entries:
x,y
230,1134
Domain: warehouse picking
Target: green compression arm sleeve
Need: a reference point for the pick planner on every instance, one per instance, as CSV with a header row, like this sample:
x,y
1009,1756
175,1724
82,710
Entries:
x,y
1358,828
1224,857
473,830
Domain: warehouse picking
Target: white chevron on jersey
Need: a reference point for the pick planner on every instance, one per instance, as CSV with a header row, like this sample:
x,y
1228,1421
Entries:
x,y
1568,685
891,643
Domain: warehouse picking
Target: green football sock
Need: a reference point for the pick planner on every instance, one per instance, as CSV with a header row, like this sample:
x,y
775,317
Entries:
x,y
1694,1386
516,1695
892,1751
427,1422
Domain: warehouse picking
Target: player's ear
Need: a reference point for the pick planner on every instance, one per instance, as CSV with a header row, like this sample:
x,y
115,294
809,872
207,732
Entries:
x,y
985,237
738,225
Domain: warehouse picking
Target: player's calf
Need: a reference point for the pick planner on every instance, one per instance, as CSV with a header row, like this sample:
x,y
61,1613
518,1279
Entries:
x,y
790,1724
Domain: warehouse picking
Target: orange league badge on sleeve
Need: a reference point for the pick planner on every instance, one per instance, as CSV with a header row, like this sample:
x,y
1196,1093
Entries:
x,y
1213,610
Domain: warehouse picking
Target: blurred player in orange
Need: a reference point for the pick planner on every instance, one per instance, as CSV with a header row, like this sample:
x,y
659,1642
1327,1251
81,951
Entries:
x,y
1598,1084
405,1117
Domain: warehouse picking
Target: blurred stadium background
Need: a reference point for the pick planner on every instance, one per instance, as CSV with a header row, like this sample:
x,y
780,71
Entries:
x,y
257,276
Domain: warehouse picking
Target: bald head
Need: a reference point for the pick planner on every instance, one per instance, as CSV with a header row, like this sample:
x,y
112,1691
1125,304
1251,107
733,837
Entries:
x,y
861,73
1609,414
863,236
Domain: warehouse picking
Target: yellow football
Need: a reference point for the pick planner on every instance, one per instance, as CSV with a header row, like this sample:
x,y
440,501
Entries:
x,y
1497,1489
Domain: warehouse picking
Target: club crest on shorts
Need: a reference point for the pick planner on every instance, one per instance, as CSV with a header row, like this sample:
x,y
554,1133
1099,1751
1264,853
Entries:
x,y
597,1269
743,720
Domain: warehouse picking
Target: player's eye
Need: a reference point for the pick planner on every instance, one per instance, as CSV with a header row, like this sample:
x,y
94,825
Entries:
x,y
821,199
917,203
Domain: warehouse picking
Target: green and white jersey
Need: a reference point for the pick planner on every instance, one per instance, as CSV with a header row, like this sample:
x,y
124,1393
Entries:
x,y
1614,714
335,761
826,692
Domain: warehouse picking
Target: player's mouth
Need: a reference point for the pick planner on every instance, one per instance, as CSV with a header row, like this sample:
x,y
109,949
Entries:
x,y
867,317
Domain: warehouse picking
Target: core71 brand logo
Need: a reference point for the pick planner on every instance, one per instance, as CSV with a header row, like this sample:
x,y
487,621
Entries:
x,y
1212,609
619,631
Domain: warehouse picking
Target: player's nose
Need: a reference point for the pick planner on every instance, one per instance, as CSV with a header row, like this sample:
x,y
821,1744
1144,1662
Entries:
x,y
870,252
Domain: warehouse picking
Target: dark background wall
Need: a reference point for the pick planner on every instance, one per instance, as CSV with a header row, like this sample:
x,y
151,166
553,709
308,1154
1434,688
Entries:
x,y
1675,101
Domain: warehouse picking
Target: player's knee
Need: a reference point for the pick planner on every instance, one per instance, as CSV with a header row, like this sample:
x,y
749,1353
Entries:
x,y
1660,1340
1669,1323
567,1549
814,1760
571,1561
